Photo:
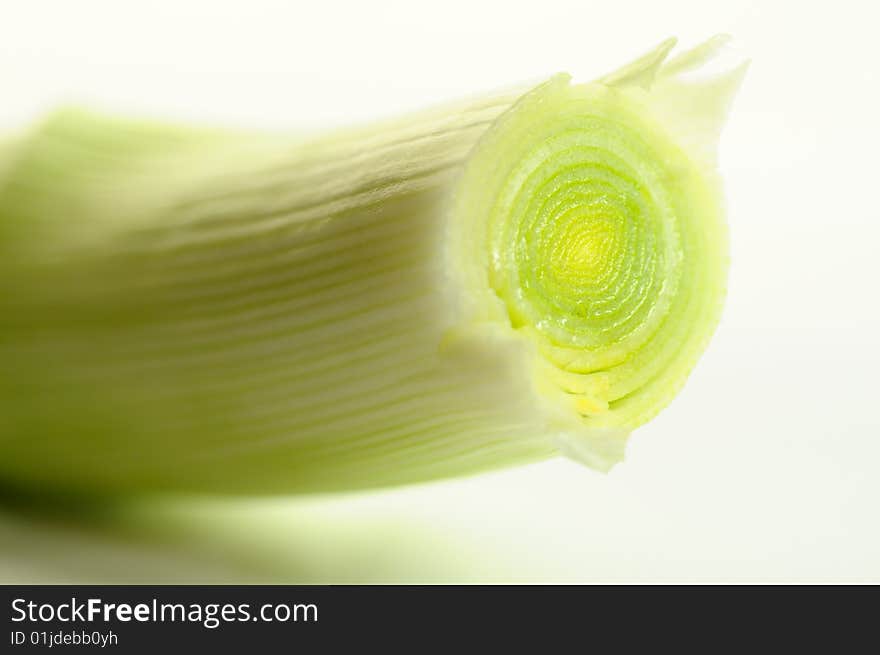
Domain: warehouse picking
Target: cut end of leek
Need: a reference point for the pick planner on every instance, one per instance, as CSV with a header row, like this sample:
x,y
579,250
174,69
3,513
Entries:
x,y
590,220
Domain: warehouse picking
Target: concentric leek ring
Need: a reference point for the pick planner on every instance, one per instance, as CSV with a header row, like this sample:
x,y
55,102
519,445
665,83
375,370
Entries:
x,y
603,241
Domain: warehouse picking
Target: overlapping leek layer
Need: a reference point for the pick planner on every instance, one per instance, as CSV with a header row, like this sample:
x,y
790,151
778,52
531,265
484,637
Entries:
x,y
467,288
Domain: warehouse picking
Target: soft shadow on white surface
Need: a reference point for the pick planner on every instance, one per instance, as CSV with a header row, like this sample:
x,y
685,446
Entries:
x,y
214,542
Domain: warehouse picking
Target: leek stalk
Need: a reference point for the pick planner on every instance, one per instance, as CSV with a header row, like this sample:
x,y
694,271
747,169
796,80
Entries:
x,y
470,287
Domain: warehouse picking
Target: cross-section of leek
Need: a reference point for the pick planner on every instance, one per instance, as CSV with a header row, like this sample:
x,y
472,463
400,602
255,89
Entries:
x,y
467,288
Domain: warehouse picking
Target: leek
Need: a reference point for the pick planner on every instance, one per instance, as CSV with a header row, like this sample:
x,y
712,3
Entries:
x,y
484,284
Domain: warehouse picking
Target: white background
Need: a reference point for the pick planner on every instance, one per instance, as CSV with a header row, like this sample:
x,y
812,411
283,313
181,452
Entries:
x,y
767,466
